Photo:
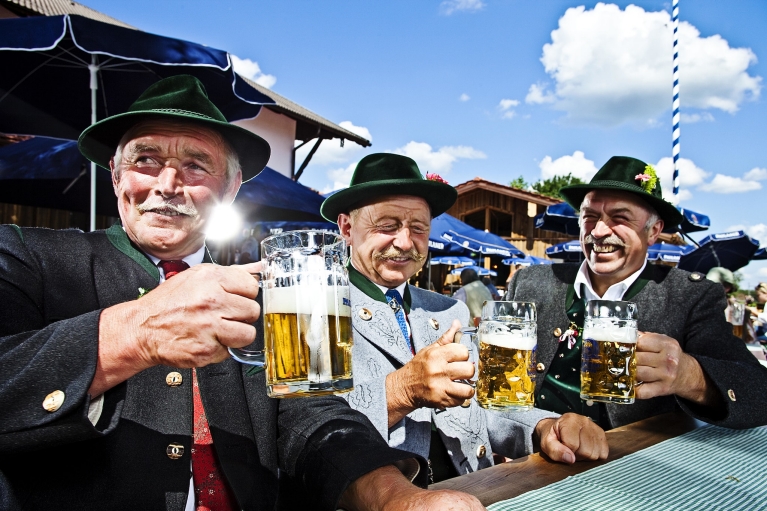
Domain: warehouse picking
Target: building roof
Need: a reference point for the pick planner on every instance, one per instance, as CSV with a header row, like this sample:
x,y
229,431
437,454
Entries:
x,y
57,8
310,125
483,184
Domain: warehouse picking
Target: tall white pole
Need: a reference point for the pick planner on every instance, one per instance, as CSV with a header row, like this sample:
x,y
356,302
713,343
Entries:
x,y
94,72
675,104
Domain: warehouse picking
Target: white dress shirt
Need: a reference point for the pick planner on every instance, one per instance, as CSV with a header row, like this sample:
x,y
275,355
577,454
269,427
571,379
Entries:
x,y
614,292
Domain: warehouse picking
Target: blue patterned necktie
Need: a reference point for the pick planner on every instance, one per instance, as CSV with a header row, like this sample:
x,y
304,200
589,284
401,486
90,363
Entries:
x,y
394,299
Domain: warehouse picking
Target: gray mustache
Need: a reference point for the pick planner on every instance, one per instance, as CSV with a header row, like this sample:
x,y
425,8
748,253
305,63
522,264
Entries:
x,y
393,252
181,209
609,240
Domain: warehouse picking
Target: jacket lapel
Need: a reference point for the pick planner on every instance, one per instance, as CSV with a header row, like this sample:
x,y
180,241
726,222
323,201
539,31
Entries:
x,y
376,322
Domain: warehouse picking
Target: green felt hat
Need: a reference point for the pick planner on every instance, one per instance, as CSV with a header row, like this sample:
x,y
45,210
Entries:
x,y
628,175
177,98
383,174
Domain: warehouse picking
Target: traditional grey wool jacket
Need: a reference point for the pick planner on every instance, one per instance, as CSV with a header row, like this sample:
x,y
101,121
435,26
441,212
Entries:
x,y
682,305
470,434
293,453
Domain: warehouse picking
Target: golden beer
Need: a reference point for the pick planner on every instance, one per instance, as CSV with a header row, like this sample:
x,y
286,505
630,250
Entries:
x,y
506,379
608,370
308,341
737,331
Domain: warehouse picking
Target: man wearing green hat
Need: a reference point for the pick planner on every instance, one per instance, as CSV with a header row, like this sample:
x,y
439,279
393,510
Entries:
x,y
686,356
118,391
410,377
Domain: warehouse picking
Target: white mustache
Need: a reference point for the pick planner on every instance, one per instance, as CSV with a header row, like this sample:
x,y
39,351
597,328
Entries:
x,y
166,208
609,240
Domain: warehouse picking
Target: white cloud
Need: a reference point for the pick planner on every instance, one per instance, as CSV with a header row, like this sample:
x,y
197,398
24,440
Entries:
x,y
448,7
756,174
506,106
464,97
441,160
692,118
730,184
538,95
577,165
330,151
690,175
250,69
340,177
611,66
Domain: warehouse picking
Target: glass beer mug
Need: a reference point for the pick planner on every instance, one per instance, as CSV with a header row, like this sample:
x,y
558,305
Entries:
x,y
608,359
507,342
307,315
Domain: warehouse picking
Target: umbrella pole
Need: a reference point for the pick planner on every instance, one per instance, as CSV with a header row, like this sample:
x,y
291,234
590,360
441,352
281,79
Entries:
x,y
93,69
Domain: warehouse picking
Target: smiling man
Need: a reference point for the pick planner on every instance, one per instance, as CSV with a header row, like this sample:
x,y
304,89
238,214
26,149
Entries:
x,y
115,398
686,354
410,377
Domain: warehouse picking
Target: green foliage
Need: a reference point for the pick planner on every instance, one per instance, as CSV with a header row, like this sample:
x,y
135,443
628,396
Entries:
x,y
519,183
552,185
738,277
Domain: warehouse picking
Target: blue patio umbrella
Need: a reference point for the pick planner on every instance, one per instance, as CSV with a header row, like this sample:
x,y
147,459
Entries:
x,y
693,221
438,246
760,254
480,271
666,252
559,218
270,196
63,73
731,250
448,228
452,260
569,251
528,260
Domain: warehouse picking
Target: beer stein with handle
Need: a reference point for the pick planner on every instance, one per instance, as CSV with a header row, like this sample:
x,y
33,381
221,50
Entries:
x,y
608,359
307,315
507,342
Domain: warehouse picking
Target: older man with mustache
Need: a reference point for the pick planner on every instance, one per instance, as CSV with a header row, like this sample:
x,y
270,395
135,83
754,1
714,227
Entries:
x,y
410,378
686,357
118,392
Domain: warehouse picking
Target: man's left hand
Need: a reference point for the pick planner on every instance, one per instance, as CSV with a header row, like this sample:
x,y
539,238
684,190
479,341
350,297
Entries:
x,y
572,437
664,369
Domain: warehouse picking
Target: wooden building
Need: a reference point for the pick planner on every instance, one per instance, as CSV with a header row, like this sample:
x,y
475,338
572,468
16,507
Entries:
x,y
507,212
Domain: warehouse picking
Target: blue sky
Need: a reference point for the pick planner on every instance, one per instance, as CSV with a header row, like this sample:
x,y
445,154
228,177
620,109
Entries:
x,y
499,89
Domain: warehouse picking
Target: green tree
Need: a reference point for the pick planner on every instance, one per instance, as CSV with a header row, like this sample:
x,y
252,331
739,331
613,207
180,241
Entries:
x,y
552,185
520,183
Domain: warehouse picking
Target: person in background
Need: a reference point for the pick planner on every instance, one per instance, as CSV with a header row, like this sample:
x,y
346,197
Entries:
x,y
472,292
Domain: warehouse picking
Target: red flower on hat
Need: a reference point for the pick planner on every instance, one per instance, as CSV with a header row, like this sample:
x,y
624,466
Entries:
x,y
431,176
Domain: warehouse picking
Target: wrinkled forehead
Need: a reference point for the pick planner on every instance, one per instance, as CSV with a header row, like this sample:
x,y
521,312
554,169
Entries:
x,y
608,200
398,207
182,134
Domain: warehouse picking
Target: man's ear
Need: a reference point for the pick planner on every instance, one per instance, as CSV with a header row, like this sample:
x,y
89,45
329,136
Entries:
x,y
345,226
234,186
115,174
655,231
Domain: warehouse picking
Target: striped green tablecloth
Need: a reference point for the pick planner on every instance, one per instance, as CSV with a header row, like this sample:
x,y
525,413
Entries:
x,y
710,468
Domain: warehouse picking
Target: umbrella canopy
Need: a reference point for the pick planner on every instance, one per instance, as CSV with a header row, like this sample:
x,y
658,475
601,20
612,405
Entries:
x,y
528,260
440,246
666,252
694,222
50,173
731,250
62,73
270,196
760,254
480,271
448,228
559,218
569,251
452,260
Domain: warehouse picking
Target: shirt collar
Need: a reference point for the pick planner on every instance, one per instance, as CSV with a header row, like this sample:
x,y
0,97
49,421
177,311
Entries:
x,y
614,292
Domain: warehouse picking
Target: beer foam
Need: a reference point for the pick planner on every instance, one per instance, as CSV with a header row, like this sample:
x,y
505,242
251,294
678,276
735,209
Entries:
x,y
304,300
512,341
609,332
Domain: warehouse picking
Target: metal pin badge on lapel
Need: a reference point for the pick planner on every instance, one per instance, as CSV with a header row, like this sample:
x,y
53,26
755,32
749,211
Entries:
x,y
365,314
434,323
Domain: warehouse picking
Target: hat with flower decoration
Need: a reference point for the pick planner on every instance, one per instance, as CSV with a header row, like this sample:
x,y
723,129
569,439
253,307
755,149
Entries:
x,y
381,174
626,174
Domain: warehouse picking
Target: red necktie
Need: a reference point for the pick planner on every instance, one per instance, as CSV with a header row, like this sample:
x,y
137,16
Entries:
x,y
212,494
